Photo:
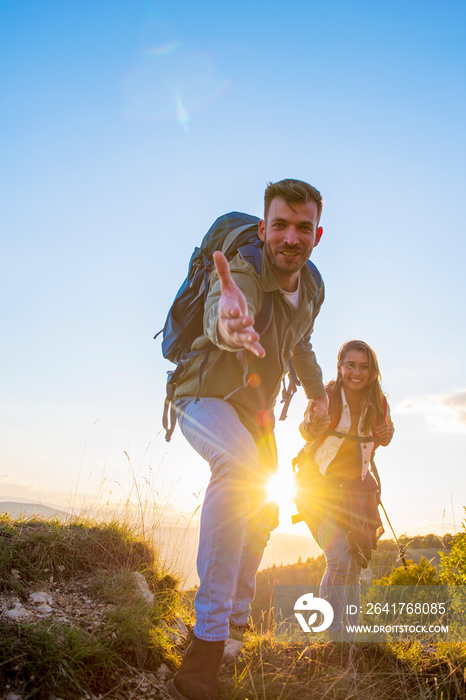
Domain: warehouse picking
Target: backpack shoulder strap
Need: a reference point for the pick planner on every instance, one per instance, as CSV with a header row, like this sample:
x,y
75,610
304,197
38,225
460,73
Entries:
x,y
334,418
316,276
252,253
385,411
385,407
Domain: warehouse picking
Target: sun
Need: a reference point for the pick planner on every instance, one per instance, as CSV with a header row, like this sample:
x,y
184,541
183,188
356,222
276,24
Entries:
x,y
281,488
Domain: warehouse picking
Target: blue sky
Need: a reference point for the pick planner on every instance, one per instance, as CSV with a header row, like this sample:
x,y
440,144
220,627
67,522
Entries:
x,y
128,127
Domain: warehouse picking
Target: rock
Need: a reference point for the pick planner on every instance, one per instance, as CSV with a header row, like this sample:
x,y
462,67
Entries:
x,y
143,588
41,597
163,672
44,609
18,613
232,648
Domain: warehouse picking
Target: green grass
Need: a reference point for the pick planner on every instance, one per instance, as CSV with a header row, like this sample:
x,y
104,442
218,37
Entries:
x,y
74,656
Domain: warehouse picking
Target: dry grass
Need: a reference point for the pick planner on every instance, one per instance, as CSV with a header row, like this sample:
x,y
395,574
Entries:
x,y
342,671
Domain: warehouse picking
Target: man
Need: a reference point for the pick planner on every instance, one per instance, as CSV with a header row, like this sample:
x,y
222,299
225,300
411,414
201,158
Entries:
x,y
225,410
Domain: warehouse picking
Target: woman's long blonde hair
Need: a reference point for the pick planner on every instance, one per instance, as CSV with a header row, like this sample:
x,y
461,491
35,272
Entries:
x,y
373,398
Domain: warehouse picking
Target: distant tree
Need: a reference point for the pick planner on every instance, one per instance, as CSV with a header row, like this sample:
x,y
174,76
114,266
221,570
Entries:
x,y
386,546
448,540
453,564
429,541
422,573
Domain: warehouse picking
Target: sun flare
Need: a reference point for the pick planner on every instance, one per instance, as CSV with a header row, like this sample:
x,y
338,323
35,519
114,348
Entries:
x,y
281,488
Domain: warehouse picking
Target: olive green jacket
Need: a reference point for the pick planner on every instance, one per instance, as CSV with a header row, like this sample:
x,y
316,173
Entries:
x,y
253,393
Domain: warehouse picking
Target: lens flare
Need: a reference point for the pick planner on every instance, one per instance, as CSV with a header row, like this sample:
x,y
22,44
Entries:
x,y
254,381
163,49
182,115
172,82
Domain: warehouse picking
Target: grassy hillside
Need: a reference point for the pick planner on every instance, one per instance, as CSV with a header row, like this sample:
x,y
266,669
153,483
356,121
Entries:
x,y
87,611
177,541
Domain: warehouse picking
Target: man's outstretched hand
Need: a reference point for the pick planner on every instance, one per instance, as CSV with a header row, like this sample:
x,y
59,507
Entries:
x,y
235,326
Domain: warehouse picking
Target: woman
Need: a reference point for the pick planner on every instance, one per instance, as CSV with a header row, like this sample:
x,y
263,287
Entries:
x,y
338,495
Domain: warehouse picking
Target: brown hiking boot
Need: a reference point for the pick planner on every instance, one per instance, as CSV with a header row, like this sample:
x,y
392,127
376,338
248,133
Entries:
x,y
198,676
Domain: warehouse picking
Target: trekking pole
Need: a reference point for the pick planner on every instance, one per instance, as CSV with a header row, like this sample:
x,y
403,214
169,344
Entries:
x,y
401,549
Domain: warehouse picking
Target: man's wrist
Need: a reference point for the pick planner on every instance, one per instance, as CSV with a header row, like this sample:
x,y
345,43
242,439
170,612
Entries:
x,y
316,392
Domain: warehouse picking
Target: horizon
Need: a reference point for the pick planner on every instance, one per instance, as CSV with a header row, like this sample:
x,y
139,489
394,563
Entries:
x,y
176,540
189,520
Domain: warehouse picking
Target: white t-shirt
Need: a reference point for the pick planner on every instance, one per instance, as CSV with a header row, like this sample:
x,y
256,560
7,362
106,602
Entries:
x,y
293,297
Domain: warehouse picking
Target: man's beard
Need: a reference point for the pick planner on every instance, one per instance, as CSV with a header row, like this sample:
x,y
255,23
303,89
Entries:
x,y
283,267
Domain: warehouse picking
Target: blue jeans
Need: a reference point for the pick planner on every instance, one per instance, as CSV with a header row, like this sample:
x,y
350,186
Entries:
x,y
235,519
340,582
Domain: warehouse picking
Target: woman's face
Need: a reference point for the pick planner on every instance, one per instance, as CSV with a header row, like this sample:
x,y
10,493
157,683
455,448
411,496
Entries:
x,y
355,370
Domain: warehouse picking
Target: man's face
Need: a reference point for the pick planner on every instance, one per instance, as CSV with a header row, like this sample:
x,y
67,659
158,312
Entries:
x,y
290,234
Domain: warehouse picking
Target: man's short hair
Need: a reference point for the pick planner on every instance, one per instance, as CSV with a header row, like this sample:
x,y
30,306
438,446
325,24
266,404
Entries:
x,y
292,191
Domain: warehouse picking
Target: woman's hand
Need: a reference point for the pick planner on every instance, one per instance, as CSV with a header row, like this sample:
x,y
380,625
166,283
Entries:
x,y
384,433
